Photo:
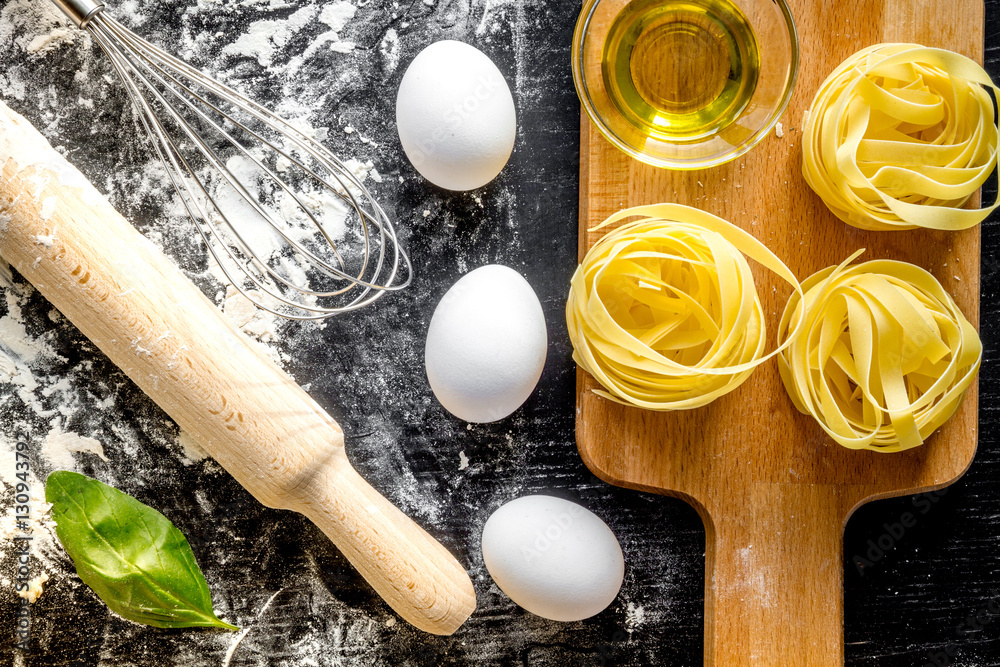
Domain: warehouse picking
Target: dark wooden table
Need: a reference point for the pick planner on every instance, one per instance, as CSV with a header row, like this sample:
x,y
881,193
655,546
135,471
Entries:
x,y
913,607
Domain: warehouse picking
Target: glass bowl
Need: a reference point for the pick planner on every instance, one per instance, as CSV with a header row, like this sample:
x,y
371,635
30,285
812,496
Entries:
x,y
685,84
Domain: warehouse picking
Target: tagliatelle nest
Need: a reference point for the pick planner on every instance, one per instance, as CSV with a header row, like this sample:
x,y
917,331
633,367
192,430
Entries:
x,y
663,311
902,136
880,354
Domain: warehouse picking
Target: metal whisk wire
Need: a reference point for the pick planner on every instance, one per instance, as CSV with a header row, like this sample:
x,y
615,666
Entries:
x,y
193,110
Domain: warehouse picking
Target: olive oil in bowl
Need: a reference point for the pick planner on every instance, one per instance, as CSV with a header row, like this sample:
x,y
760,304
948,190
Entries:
x,y
680,70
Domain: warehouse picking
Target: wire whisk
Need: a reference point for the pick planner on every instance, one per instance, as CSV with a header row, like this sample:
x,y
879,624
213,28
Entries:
x,y
292,227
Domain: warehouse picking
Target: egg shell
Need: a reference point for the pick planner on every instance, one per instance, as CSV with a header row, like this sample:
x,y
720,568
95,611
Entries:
x,y
486,344
553,557
455,116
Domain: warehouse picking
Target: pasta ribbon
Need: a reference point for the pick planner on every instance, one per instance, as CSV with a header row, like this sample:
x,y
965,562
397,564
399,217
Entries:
x,y
663,311
880,354
901,136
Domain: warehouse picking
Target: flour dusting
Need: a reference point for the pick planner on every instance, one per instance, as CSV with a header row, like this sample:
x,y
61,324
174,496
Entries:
x,y
635,616
59,446
46,552
336,16
48,208
389,48
264,39
45,240
52,40
192,451
36,586
243,633
35,27
253,321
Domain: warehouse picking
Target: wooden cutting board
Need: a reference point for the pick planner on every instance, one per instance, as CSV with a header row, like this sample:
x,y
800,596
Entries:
x,y
773,490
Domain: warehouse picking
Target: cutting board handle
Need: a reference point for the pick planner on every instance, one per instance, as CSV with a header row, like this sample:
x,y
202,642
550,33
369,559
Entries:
x,y
774,580
218,385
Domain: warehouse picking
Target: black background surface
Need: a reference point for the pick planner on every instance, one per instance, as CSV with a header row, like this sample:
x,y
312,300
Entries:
x,y
367,370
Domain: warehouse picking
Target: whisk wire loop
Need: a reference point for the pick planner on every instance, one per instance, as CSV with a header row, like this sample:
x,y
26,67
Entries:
x,y
161,73
191,120
170,155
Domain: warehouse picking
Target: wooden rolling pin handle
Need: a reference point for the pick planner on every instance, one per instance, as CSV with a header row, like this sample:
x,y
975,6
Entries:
x,y
218,385
774,581
385,545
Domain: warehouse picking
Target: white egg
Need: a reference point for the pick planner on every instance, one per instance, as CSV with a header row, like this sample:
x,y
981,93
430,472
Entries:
x,y
486,344
553,557
455,116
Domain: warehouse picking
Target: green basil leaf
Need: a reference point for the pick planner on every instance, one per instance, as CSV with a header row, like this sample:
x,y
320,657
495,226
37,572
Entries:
x,y
132,556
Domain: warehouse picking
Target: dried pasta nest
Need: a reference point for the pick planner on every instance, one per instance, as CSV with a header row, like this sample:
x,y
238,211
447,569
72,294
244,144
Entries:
x,y
663,311
902,136
880,354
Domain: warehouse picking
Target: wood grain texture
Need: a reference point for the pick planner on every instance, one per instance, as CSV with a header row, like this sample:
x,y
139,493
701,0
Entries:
x,y
904,609
223,389
773,491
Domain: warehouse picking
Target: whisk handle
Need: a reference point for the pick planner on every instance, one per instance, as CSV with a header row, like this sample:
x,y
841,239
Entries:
x,y
80,11
222,388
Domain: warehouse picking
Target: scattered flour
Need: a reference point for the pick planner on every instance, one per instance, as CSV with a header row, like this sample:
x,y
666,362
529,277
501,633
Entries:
x,y
59,446
335,15
45,549
243,633
635,616
389,48
253,321
759,583
463,461
16,344
32,394
192,451
48,208
20,352
50,41
35,587
45,240
263,39
8,369
35,27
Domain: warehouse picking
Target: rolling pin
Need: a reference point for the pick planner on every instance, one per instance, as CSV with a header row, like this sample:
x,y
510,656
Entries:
x,y
139,309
